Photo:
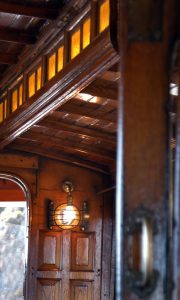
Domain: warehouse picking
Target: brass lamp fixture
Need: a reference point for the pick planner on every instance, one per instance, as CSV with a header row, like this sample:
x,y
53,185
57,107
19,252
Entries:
x,y
67,216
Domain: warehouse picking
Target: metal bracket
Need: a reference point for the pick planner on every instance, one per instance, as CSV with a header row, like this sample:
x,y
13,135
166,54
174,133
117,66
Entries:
x,y
142,282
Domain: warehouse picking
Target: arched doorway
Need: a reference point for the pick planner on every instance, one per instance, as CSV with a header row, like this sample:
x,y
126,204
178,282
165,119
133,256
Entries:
x,y
14,224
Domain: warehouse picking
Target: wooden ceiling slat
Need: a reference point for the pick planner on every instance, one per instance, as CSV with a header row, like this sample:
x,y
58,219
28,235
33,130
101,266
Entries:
x,y
54,125
86,111
8,59
41,12
82,70
16,36
65,144
57,155
102,88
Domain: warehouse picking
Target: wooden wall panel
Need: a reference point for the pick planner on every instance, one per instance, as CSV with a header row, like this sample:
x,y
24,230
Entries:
x,y
82,251
81,290
50,249
62,265
49,289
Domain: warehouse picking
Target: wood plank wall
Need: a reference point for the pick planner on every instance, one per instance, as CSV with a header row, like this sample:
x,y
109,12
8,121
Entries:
x,y
72,265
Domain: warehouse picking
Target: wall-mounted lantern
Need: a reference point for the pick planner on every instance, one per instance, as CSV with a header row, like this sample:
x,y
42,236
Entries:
x,y
67,216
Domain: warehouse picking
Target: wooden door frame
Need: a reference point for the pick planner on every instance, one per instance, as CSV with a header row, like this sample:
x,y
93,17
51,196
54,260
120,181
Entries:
x,y
27,195
175,200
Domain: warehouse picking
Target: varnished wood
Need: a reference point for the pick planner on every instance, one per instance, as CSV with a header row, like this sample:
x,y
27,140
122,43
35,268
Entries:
x,y
87,112
18,160
65,144
50,251
102,88
85,163
82,251
62,126
71,282
147,142
16,36
107,256
28,10
48,35
93,61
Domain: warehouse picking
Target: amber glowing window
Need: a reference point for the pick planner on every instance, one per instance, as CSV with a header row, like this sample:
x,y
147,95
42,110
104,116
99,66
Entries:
x,y
1,112
39,78
20,95
5,108
75,43
31,85
14,100
86,32
60,58
52,66
104,15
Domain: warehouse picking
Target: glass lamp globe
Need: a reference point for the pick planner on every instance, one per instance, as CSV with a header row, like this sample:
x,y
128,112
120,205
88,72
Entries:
x,y
67,216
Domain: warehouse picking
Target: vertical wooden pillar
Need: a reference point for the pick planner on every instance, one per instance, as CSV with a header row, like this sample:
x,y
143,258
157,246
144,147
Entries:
x,y
142,140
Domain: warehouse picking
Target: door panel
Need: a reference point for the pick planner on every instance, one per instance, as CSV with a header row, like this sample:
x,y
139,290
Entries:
x,y
49,289
50,248
82,251
81,290
69,258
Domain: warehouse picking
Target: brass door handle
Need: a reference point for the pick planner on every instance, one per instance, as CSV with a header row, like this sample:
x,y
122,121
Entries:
x,y
146,255
142,279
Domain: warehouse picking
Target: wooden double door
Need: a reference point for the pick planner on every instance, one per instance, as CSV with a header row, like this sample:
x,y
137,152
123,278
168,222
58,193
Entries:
x,y
69,265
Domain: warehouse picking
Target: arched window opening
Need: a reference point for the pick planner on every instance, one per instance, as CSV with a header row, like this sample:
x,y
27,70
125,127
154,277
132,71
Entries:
x,y
13,238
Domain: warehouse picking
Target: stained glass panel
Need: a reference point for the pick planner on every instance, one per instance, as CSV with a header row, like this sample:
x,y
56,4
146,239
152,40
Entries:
x,y
52,66
60,58
20,94
31,86
14,100
1,112
39,78
86,32
75,43
104,15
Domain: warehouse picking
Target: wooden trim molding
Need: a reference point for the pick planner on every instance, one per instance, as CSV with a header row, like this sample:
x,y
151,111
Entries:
x,y
93,61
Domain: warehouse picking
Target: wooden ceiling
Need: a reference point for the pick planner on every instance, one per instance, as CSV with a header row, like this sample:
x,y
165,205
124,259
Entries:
x,y
83,130
21,22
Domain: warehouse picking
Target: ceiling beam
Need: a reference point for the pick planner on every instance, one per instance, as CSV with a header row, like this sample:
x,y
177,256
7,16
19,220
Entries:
x,y
41,12
102,88
57,155
67,145
83,111
16,36
8,59
92,133
64,86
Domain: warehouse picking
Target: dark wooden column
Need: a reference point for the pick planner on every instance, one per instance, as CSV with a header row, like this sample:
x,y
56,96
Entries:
x,y
142,153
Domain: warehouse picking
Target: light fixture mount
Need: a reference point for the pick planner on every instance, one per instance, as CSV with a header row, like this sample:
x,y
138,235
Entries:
x,y
67,186
66,215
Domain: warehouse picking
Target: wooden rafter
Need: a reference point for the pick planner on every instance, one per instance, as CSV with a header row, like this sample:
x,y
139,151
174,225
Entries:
x,y
68,145
83,111
16,36
78,74
54,125
102,88
41,12
60,157
8,59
